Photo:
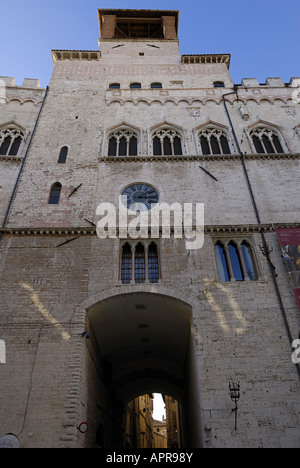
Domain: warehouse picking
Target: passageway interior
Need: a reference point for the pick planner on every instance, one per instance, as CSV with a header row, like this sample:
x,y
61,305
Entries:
x,y
143,344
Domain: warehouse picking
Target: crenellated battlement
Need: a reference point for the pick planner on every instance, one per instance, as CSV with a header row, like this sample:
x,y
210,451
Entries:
x,y
270,82
29,91
30,83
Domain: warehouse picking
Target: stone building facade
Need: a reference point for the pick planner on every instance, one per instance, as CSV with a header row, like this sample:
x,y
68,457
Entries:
x,y
137,116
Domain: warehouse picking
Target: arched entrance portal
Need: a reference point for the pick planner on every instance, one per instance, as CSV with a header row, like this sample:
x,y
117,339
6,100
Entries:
x,y
141,343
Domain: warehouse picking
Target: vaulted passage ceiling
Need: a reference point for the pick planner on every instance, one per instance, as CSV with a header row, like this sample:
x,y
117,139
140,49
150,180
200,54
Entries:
x,y
143,339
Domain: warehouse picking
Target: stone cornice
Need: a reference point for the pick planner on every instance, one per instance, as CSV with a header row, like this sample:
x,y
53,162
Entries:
x,y
88,55
206,58
90,231
11,159
200,157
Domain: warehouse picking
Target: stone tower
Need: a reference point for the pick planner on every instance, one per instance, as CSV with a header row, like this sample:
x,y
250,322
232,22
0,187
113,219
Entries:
x,y
91,323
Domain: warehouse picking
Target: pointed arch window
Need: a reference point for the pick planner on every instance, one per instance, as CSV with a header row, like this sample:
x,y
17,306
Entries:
x,y
249,260
213,141
153,267
55,194
126,268
266,141
236,261
140,263
10,142
114,86
167,142
222,262
123,143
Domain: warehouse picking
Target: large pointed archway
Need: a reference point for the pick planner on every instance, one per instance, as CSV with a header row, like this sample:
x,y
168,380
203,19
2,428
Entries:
x,y
141,342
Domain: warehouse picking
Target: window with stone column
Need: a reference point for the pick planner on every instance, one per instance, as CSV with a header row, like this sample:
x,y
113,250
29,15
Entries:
x,y
167,142
10,142
123,143
266,141
236,260
213,141
139,262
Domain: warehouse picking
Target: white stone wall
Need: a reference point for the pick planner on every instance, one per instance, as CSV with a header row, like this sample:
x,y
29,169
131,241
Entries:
x,y
19,107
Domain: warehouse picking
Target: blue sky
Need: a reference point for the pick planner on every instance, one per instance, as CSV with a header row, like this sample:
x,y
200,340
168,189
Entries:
x,y
263,36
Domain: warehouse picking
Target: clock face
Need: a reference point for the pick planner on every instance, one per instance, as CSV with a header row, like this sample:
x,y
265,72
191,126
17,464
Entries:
x,y
140,197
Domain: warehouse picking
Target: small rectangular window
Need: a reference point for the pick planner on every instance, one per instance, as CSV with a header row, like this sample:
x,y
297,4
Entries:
x,y
219,84
156,86
135,86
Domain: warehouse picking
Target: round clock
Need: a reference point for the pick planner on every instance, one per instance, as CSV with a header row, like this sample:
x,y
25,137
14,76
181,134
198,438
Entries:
x,y
140,197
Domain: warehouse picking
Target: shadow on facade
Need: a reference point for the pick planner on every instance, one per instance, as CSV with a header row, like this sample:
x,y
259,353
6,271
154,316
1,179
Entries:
x,y
141,343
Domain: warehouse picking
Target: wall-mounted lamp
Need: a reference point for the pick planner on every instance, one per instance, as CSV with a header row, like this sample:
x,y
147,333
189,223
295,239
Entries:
x,y
266,249
235,394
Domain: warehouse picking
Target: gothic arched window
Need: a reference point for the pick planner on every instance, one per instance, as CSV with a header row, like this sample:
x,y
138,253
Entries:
x,y
123,143
55,194
214,141
222,262
153,266
139,263
266,141
249,260
126,267
10,142
236,261
167,142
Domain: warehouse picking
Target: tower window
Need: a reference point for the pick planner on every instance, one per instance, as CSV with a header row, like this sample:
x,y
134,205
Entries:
x,y
63,155
266,141
10,142
123,143
156,86
114,86
214,141
222,262
167,143
140,263
135,86
55,194
236,261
